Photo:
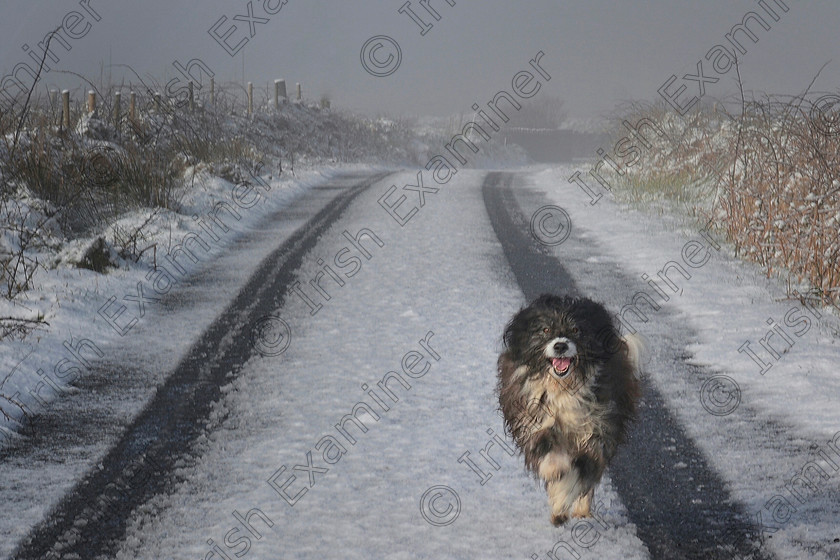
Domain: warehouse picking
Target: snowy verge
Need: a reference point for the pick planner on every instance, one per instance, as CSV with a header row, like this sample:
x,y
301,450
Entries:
x,y
95,316
764,405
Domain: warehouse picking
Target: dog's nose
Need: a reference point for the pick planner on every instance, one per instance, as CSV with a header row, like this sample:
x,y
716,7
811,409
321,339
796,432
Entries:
x,y
560,347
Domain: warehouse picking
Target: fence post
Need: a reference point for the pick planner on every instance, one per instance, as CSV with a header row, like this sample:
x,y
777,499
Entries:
x,y
250,98
53,101
279,91
299,92
192,96
65,107
132,106
117,98
212,91
157,101
91,106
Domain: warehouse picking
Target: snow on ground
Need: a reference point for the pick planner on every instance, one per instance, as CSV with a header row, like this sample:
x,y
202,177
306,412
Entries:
x,y
785,417
443,273
145,355
69,297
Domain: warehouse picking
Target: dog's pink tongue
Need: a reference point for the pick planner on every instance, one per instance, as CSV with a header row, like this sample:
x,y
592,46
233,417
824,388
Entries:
x,y
561,364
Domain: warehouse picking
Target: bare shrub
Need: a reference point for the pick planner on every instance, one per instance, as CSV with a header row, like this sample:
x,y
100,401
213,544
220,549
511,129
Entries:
x,y
765,174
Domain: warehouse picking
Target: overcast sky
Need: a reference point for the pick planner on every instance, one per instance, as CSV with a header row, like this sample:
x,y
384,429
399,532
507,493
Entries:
x,y
597,53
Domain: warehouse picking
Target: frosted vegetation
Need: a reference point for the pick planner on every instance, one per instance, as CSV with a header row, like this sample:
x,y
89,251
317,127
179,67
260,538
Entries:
x,y
765,173
114,166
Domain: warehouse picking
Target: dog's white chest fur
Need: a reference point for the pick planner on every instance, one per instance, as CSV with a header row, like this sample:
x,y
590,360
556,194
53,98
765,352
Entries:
x,y
576,414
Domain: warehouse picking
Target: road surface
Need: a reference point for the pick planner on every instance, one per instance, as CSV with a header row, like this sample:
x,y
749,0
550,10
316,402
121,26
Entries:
x,y
340,401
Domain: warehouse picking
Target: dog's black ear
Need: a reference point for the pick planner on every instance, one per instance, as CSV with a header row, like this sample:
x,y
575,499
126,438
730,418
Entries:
x,y
592,313
518,330
595,321
609,341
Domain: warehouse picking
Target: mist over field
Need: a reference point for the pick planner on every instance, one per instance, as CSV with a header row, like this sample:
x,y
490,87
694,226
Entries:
x,y
600,53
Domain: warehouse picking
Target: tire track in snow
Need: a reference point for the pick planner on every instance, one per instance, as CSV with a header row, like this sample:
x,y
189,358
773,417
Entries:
x,y
91,519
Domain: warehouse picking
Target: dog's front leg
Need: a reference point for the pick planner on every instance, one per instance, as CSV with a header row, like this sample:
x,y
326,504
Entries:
x,y
554,465
568,495
561,480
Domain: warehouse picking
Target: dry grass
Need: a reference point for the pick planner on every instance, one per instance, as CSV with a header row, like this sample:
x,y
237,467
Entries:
x,y
767,176
779,198
81,178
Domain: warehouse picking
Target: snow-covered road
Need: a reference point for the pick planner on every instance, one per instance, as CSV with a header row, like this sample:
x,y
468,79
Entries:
x,y
400,326
443,278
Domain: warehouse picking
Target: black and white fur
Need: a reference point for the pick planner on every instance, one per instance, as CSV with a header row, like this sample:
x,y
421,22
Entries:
x,y
568,385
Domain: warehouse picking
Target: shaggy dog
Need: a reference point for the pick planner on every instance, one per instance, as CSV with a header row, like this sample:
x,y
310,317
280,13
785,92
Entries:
x,y
568,385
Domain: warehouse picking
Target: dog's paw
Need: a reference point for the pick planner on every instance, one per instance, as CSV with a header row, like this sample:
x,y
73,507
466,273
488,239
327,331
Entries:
x,y
580,511
558,519
582,505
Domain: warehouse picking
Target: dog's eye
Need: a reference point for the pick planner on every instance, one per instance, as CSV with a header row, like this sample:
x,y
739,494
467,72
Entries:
x,y
546,330
575,330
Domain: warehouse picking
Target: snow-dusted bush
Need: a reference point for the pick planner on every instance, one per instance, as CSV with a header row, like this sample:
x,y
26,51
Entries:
x,y
766,173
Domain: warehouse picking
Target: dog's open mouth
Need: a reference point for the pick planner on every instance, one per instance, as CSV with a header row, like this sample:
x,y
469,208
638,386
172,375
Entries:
x,y
561,366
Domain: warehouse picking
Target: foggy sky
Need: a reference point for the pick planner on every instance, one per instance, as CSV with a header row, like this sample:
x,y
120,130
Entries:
x,y
597,53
